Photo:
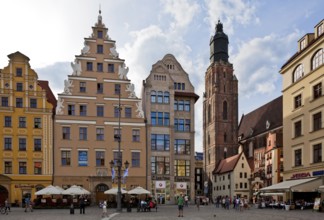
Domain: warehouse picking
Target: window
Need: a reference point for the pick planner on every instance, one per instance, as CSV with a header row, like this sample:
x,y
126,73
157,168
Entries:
x,y
19,87
7,121
117,112
100,111
298,129
66,133
175,105
99,48
153,96
318,59
8,167
37,122
135,159
136,135
19,72
187,105
111,68
298,101
99,67
160,142
160,165
317,153
83,133
65,158
166,119
303,44
298,73
37,144
22,122
83,158
245,174
166,98
83,110
4,101
179,124
224,110
298,157
8,143
71,110
317,121
128,112
153,118
241,175
317,90
22,167
38,168
33,103
116,157
181,167
89,66
180,105
100,134
100,158
99,34
320,29
83,87
22,144
99,88
187,125
160,97
117,89
160,118
19,102
117,134
182,146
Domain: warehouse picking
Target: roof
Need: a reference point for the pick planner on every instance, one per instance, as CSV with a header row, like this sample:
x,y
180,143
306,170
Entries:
x,y
187,94
227,164
298,184
255,122
49,94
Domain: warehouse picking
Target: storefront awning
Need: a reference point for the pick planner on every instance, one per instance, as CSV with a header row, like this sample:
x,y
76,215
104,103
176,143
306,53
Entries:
x,y
299,185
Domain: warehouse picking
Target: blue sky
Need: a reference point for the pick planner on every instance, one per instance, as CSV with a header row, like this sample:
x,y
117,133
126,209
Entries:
x,y
263,34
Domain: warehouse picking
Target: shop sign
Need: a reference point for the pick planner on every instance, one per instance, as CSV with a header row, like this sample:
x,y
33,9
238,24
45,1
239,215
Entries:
x,y
160,184
182,185
318,173
24,186
300,175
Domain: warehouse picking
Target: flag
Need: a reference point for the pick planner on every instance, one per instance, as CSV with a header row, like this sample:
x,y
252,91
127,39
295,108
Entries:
x,y
160,184
112,174
125,173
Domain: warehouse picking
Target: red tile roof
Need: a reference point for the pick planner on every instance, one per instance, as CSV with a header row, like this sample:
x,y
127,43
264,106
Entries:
x,y
228,164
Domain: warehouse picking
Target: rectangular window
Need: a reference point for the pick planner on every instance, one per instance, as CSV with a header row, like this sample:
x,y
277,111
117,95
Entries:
x,y
298,129
37,168
298,157
100,111
111,68
180,105
71,110
19,72
8,167
117,112
66,158
83,158
128,112
298,101
117,134
89,66
100,134
160,142
179,124
187,125
117,89
175,105
22,122
100,158
19,87
37,122
241,175
187,105
99,48
317,121
160,97
160,165
116,157
317,153
135,159
317,90
136,135
19,102
22,144
37,144
4,101
166,119
22,167
182,146
83,110
153,118
99,67
83,87
33,103
7,121
182,167
99,88
100,34
160,118
7,143
66,133
83,134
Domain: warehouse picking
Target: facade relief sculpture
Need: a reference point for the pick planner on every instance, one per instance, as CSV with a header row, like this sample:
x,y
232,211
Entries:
x,y
131,89
139,110
59,106
76,66
122,71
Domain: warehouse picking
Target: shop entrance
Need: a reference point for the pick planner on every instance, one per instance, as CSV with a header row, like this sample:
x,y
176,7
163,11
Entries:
x,y
160,198
25,194
3,194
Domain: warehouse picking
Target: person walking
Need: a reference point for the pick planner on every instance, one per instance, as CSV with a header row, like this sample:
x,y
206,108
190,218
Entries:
x,y
82,206
180,205
198,202
104,210
186,199
7,206
28,204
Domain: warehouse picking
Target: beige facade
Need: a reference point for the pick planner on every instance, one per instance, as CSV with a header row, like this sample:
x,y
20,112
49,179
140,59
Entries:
x,y
98,100
303,110
168,101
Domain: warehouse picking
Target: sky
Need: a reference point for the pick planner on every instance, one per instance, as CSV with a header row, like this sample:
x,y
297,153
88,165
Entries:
x,y
263,35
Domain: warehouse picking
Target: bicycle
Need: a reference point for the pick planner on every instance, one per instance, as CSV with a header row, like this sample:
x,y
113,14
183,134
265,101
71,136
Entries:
x,y
3,210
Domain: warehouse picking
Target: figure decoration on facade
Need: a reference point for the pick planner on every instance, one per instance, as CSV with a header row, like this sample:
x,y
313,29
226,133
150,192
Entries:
x,y
68,87
122,71
139,110
114,52
85,49
76,66
59,106
131,89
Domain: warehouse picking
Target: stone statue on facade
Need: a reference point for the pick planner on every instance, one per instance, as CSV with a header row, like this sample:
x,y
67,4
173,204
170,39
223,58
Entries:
x,y
122,71
85,49
68,87
59,106
114,52
131,89
76,66
139,110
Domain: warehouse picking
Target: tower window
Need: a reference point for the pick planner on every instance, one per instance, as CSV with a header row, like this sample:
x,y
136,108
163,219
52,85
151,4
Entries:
x,y
99,34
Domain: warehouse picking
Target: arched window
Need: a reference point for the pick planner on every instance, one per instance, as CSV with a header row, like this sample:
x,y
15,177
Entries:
x,y
298,73
318,59
225,110
160,97
225,137
153,96
166,97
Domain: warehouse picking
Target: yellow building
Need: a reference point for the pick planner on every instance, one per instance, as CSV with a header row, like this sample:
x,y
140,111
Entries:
x,y
26,116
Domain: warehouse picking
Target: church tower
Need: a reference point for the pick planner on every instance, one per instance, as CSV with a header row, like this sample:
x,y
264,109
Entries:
x,y
220,106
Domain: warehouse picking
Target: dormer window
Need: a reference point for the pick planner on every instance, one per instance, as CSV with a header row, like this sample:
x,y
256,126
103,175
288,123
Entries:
x,y
302,44
298,73
320,29
318,59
